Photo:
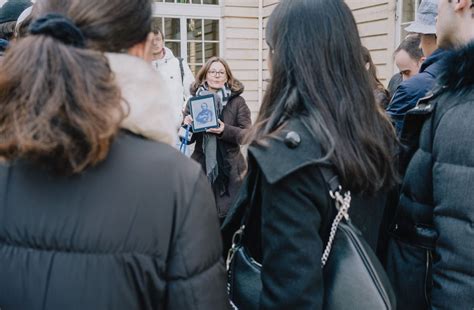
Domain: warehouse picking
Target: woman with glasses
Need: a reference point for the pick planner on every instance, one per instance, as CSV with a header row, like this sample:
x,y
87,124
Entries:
x,y
218,149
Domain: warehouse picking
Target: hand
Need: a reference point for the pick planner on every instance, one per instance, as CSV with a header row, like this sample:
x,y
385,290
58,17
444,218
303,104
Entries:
x,y
217,131
188,120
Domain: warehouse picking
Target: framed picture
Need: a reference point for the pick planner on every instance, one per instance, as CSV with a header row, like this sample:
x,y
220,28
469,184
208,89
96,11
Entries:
x,y
204,112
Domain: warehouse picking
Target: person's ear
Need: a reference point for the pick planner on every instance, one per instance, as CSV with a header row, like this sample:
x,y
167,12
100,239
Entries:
x,y
461,4
143,49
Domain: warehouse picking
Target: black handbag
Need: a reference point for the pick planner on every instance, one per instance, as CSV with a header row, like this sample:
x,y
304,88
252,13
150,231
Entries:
x,y
353,276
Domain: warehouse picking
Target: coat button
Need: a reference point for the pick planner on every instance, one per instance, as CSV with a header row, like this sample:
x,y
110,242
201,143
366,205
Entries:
x,y
292,140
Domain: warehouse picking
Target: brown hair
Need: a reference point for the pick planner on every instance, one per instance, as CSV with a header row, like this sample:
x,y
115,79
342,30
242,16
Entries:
x,y
374,80
155,27
109,26
235,85
7,30
59,105
411,45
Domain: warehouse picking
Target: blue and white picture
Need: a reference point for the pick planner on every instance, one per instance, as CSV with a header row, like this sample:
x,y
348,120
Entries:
x,y
203,110
205,116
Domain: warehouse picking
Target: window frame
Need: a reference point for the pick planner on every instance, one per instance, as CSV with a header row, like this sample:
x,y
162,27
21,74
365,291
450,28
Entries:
x,y
176,2
399,18
185,11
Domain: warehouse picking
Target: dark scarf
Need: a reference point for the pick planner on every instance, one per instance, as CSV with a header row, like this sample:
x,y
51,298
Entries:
x,y
218,167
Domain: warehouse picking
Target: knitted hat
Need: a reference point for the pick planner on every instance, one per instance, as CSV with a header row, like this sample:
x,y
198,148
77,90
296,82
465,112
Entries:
x,y
12,9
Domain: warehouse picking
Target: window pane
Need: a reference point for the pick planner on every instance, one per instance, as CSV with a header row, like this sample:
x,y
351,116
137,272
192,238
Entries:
x,y
195,68
408,13
172,1
172,29
195,52
175,47
211,1
195,29
211,49
196,1
211,30
157,23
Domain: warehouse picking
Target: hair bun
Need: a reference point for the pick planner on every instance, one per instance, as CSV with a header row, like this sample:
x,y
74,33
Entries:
x,y
59,27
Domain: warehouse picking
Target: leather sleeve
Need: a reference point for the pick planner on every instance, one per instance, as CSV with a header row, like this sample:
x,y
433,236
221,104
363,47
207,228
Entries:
x,y
291,245
196,273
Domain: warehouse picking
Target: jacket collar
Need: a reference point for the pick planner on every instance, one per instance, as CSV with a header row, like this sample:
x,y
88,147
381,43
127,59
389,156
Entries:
x,y
167,57
277,158
458,69
146,99
433,64
434,58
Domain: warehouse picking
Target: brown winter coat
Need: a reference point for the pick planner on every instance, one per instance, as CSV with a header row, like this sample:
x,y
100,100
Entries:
x,y
236,117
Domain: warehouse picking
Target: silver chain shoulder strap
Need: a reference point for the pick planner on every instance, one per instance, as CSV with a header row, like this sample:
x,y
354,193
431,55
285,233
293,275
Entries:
x,y
343,203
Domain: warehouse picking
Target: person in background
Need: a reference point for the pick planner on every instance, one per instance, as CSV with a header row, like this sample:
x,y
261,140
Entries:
x,y
431,254
218,149
175,71
409,56
393,84
313,114
382,96
415,88
111,220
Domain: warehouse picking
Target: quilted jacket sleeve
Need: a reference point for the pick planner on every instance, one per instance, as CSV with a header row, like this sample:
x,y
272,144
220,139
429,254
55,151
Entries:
x,y
235,131
196,273
453,176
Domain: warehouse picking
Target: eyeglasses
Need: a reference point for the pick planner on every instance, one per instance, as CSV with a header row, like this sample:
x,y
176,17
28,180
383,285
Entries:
x,y
215,73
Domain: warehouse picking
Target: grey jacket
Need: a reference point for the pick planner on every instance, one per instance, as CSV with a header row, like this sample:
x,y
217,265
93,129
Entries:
x,y
436,210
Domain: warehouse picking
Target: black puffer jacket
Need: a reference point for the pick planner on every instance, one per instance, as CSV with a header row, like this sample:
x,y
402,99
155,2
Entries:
x,y
433,228
139,231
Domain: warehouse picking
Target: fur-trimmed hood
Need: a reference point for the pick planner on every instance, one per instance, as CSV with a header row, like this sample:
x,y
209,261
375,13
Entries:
x,y
458,71
146,98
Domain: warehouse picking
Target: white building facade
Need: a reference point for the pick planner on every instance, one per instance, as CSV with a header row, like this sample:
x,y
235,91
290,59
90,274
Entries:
x,y
234,29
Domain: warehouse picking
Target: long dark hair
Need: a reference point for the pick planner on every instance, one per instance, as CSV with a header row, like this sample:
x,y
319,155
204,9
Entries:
x,y
60,106
374,80
318,75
